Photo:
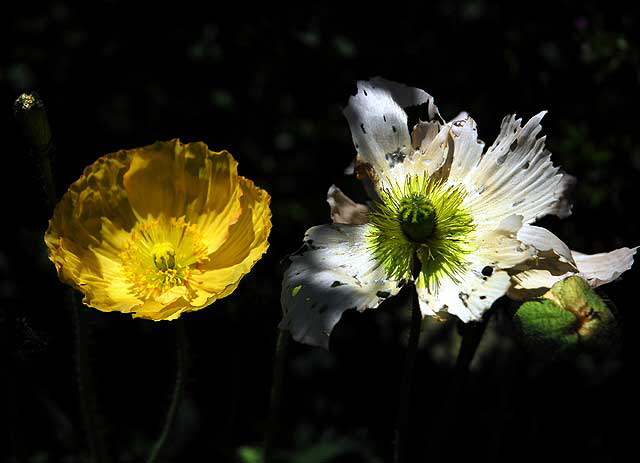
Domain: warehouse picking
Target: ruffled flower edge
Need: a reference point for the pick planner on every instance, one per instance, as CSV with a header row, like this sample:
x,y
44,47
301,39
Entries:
x,y
91,223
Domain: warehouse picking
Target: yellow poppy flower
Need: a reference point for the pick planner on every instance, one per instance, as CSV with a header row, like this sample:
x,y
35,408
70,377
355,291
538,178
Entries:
x,y
159,230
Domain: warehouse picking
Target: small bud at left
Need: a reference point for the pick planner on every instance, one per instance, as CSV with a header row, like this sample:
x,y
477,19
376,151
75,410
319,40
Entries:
x,y
32,117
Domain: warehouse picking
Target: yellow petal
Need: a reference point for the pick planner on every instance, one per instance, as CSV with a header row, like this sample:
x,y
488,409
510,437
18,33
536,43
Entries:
x,y
246,243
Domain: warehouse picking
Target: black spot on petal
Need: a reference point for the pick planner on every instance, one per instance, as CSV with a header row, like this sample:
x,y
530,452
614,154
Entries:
x,y
337,283
383,294
487,271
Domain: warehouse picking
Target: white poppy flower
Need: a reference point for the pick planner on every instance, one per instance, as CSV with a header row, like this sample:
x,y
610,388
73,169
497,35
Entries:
x,y
466,212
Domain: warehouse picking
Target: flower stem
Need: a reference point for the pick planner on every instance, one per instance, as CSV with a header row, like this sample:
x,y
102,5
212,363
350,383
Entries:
x,y
91,419
402,427
273,425
182,348
32,118
471,336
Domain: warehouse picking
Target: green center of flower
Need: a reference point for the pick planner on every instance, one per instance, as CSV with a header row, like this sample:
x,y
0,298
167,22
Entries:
x,y
424,217
164,256
417,218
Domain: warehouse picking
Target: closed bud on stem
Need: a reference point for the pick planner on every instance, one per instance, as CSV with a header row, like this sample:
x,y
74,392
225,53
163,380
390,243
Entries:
x,y
570,318
32,117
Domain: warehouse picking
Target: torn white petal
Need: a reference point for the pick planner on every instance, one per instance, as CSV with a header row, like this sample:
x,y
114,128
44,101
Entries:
x,y
543,240
599,269
470,297
534,283
344,209
379,124
467,150
514,176
431,143
332,273
501,248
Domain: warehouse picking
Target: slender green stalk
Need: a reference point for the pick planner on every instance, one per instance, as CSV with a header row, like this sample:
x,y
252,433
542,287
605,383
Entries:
x,y
33,121
273,425
236,384
471,336
178,390
402,427
91,419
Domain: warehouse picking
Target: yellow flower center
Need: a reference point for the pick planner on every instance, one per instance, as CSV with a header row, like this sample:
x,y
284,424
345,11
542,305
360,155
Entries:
x,y
162,254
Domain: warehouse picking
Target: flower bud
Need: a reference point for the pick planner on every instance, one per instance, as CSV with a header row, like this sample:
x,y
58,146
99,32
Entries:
x,y
30,113
568,319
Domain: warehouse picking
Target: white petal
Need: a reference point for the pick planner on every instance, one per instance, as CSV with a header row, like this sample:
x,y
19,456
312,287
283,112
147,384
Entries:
x,y
379,124
553,262
599,269
344,209
485,279
334,272
467,150
556,262
501,248
514,176
468,298
543,240
431,142
534,283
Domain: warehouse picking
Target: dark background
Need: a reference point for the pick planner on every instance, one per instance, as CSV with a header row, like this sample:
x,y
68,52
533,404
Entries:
x,y
269,86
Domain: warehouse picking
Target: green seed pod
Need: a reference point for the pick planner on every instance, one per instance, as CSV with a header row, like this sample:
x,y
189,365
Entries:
x,y
568,319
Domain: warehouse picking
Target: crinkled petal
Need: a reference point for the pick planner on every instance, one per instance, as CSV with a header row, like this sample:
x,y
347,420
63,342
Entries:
x,y
95,270
468,297
176,179
543,240
514,176
467,150
244,246
501,248
379,125
344,209
554,262
599,269
334,271
485,279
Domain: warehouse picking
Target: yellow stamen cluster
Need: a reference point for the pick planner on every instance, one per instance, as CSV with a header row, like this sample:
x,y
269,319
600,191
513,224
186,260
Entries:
x,y
162,254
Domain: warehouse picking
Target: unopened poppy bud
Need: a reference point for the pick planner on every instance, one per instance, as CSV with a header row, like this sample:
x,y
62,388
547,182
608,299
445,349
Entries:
x,y
568,319
32,117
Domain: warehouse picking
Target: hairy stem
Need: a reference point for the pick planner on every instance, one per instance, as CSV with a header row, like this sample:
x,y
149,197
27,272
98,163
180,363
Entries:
x,y
273,425
178,390
471,336
402,427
